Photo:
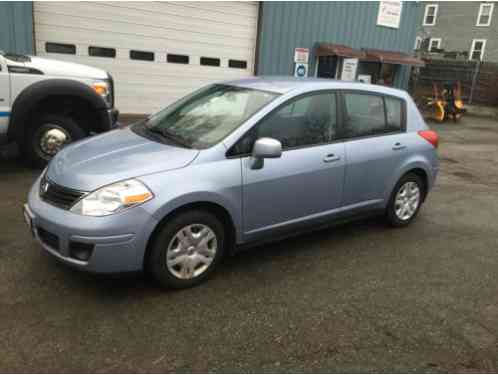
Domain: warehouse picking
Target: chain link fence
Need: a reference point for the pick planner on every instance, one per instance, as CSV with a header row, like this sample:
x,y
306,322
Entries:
x,y
479,80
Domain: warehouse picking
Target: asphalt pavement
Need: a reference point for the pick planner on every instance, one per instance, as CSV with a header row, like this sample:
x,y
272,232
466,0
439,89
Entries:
x,y
361,297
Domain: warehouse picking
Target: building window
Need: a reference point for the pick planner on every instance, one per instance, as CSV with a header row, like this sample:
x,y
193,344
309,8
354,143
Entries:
x,y
210,61
477,49
430,15
485,14
102,52
177,59
418,43
142,55
69,49
434,44
240,64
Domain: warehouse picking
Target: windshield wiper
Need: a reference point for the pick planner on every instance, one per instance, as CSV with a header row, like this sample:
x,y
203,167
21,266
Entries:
x,y
172,137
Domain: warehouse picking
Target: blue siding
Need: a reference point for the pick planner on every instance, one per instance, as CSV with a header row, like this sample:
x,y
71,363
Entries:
x,y
16,27
287,25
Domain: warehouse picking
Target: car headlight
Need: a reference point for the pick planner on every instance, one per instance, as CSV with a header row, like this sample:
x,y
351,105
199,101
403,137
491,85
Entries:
x,y
113,198
103,88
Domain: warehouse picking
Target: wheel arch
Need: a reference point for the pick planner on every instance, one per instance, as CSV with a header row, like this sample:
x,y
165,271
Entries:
x,y
215,208
29,101
418,167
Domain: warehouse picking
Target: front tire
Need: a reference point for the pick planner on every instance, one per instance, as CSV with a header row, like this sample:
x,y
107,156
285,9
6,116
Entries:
x,y
47,135
405,200
187,249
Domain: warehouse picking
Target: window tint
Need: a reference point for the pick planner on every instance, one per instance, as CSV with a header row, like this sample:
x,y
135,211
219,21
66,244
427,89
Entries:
x,y
394,113
240,64
69,49
102,52
177,59
305,121
210,61
364,115
142,55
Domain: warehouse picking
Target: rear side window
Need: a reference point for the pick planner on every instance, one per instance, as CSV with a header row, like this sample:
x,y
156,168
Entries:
x,y
368,114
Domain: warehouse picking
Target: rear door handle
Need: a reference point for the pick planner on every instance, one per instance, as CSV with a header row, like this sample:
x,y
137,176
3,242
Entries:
x,y
331,158
398,146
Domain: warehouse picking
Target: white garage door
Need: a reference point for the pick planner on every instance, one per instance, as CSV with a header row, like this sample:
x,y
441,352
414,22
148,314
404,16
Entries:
x,y
156,52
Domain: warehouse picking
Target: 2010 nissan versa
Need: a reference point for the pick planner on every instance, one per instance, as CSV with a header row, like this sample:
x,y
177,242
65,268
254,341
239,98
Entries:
x,y
229,165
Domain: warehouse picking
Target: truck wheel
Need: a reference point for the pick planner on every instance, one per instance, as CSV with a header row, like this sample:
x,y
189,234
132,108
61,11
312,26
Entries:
x,y
47,135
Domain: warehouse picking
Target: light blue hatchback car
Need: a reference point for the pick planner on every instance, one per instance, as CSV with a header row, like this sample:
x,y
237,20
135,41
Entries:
x,y
232,164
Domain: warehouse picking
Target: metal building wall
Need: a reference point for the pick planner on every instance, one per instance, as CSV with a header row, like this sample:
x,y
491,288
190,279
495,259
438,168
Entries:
x,y
287,25
16,27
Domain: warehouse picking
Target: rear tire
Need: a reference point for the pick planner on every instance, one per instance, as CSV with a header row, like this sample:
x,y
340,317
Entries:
x,y
405,200
187,249
47,135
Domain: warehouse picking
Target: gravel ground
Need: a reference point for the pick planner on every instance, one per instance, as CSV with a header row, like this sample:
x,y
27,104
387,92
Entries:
x,y
360,297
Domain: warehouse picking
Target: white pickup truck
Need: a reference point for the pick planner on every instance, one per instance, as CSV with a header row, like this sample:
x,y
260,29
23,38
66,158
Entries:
x,y
46,104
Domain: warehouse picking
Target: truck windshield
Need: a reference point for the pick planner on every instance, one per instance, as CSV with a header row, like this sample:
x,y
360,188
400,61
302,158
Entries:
x,y
208,115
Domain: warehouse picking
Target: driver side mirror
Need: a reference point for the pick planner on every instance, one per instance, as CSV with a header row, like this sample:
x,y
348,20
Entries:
x,y
265,148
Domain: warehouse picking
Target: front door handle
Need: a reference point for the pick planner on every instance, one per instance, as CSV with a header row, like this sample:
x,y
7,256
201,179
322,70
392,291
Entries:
x,y
398,146
331,158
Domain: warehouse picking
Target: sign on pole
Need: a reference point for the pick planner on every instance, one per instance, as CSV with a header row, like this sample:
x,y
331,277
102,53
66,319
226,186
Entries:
x,y
301,55
301,70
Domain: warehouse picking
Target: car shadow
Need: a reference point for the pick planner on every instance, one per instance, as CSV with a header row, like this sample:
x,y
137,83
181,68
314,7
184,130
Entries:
x,y
238,267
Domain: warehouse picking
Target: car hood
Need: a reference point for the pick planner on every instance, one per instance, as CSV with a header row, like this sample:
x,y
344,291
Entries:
x,y
114,156
57,68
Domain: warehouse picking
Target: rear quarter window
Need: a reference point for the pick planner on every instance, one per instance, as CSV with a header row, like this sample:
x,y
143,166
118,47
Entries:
x,y
394,112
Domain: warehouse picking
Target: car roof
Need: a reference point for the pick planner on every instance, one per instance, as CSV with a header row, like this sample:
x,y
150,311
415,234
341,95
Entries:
x,y
285,84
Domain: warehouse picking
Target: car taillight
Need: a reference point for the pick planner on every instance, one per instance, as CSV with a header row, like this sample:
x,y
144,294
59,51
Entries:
x,y
430,136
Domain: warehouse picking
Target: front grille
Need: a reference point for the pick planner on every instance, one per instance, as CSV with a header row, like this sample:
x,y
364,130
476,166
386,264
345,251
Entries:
x,y
57,195
49,239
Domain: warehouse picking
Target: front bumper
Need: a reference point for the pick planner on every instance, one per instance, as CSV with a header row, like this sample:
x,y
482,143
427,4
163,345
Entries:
x,y
118,241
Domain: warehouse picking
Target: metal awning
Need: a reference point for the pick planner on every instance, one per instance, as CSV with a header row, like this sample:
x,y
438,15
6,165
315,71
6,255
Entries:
x,y
392,57
329,49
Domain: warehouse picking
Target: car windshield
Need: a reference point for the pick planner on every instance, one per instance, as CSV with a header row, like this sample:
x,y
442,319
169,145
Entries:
x,y
208,115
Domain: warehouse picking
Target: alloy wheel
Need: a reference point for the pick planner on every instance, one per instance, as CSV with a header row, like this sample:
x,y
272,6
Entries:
x,y
407,200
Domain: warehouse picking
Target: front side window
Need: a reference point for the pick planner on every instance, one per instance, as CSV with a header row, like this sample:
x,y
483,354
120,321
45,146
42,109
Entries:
x,y
205,117
485,14
368,115
304,121
430,14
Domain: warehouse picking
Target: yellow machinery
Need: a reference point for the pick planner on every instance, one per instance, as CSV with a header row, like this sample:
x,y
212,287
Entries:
x,y
447,102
